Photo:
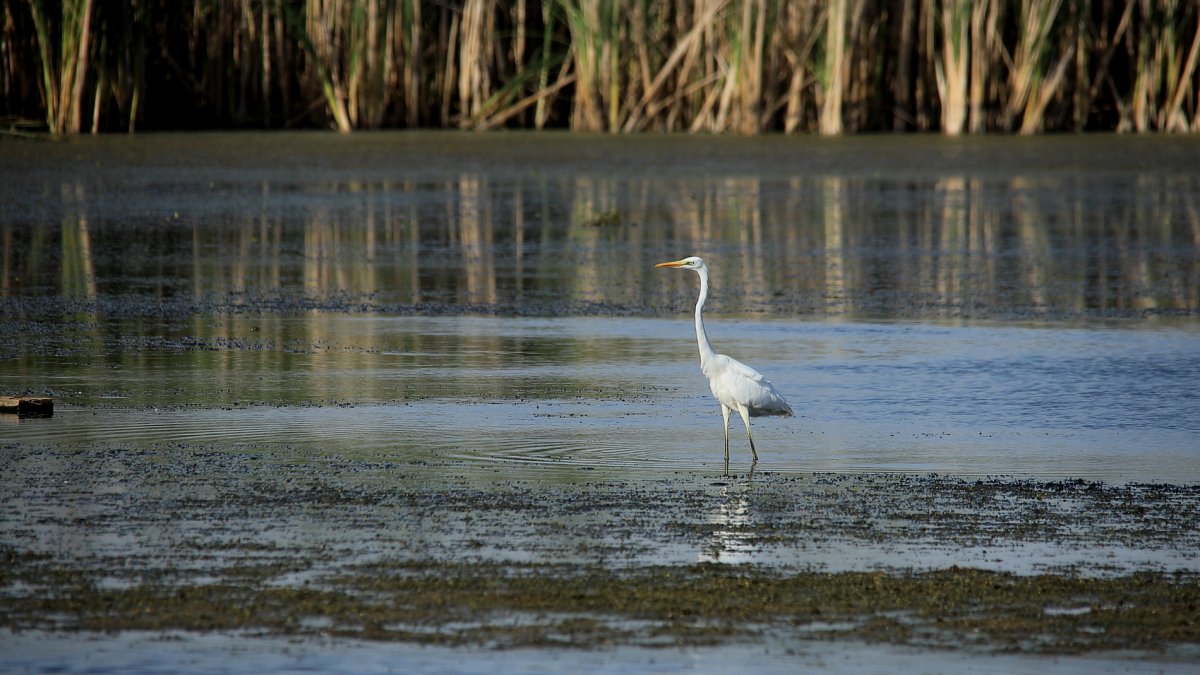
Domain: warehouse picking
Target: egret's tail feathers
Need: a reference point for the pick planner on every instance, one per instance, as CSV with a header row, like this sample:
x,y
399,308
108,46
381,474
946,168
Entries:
x,y
783,410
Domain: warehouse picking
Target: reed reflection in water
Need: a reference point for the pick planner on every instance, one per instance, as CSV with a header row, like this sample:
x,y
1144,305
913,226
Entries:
x,y
1019,247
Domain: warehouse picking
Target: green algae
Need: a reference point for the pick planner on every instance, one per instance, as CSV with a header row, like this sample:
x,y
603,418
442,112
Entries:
x,y
203,538
509,605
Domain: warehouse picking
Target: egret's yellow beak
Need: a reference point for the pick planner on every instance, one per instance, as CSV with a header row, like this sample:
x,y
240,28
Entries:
x,y
673,263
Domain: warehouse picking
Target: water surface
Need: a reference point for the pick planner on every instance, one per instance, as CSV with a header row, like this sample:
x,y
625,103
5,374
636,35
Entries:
x,y
878,227
964,306
339,349
625,395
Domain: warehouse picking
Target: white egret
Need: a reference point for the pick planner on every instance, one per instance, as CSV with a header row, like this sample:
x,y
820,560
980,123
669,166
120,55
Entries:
x,y
735,385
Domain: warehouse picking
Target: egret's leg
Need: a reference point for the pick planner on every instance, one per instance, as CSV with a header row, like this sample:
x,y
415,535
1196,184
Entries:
x,y
745,413
725,417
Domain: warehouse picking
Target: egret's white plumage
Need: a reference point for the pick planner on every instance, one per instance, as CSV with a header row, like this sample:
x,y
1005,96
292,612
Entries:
x,y
735,385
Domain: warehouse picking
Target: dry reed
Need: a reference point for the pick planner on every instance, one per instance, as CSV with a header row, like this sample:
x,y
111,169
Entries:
x,y
736,66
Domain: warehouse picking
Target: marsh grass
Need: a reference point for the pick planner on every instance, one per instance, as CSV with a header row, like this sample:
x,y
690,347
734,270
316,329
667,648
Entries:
x,y
64,39
717,66
952,81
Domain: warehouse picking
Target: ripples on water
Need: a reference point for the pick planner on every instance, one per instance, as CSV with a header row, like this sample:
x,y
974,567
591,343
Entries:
x,y
1108,403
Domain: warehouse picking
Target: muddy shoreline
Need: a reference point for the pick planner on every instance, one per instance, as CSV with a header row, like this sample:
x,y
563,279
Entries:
x,y
205,538
522,605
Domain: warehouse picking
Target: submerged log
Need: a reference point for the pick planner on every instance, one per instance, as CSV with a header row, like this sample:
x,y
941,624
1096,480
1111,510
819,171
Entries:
x,y
39,406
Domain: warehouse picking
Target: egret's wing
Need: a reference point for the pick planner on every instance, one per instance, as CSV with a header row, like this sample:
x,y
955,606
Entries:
x,y
745,371
732,381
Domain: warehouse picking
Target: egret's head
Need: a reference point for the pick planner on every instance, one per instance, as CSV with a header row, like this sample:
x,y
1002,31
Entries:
x,y
689,263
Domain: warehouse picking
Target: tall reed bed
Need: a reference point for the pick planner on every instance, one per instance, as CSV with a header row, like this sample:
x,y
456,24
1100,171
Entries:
x,y
719,66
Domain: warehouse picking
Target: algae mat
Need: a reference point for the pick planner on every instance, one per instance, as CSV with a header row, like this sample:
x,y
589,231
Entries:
x,y
264,544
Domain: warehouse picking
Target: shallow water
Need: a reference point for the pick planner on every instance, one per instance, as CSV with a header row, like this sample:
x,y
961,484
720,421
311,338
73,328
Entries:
x,y
876,227
527,395
138,653
220,316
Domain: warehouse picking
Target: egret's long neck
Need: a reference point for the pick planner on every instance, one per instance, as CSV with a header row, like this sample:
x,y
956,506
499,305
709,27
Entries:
x,y
706,348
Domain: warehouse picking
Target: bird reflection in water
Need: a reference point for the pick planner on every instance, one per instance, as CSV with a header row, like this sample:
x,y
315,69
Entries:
x,y
731,540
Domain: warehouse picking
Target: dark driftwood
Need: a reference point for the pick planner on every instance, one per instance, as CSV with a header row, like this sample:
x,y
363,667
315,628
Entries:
x,y
27,405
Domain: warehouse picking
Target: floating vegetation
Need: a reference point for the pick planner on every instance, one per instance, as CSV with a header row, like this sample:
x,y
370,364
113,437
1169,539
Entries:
x,y
522,604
